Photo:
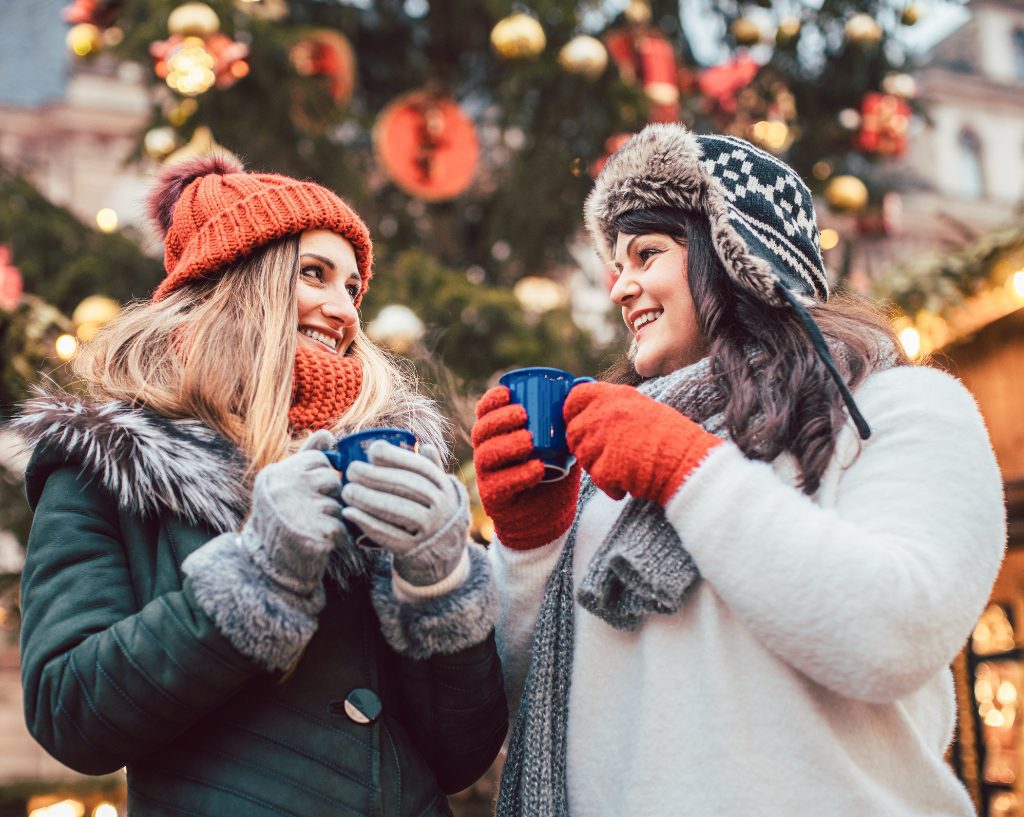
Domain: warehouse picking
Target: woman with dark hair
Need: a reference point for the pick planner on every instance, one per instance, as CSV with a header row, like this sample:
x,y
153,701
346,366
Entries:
x,y
749,602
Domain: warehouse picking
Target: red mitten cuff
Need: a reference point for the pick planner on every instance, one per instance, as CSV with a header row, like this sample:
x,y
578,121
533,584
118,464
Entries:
x,y
526,512
632,444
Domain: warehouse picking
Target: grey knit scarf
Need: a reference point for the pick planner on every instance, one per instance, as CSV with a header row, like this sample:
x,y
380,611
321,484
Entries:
x,y
640,568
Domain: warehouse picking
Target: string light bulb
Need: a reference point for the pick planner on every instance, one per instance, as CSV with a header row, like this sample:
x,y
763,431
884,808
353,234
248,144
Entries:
x,y
910,340
66,346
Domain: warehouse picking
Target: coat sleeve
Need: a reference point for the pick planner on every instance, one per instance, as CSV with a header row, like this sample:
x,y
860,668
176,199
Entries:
x,y
455,711
105,680
875,591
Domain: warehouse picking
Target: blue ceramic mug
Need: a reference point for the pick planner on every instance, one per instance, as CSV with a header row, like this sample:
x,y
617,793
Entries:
x,y
353,447
542,391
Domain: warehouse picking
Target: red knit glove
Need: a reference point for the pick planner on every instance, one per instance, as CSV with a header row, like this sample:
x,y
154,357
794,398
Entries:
x,y
526,512
632,444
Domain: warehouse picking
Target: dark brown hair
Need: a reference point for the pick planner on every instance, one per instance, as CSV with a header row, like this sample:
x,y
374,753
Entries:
x,y
773,390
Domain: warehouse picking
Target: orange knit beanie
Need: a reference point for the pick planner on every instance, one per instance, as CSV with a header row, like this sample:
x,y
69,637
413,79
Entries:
x,y
212,214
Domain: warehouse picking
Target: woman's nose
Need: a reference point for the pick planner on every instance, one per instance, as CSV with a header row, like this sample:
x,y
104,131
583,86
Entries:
x,y
339,307
625,289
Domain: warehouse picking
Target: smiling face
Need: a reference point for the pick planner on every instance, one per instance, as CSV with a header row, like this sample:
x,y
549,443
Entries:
x,y
652,288
325,294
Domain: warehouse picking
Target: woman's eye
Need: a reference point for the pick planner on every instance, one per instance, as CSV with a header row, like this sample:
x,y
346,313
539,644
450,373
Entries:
x,y
647,253
353,290
313,272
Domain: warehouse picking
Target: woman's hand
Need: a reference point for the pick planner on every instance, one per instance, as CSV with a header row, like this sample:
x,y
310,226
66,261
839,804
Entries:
x,y
526,512
632,444
296,517
406,503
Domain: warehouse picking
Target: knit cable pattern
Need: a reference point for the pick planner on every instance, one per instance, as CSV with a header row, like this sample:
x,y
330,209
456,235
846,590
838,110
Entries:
x,y
323,388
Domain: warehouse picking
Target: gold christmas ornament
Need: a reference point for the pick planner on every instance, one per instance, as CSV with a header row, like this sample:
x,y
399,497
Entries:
x,y
539,294
789,28
638,12
178,113
113,36
911,14
518,36
93,313
773,135
846,194
746,31
201,143
84,39
397,327
901,85
193,19
863,29
584,56
272,10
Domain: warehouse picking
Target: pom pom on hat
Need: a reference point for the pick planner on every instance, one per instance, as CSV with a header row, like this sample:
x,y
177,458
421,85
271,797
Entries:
x,y
213,214
176,177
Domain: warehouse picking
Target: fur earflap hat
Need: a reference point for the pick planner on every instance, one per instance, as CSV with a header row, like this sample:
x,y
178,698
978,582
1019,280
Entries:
x,y
761,213
212,213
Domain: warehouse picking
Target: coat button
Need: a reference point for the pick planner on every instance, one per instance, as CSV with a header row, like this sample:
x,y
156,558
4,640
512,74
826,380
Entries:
x,y
360,705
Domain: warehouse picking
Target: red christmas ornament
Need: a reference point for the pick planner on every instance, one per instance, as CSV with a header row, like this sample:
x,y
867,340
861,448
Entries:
x,y
11,284
427,145
329,54
722,83
100,13
884,122
644,55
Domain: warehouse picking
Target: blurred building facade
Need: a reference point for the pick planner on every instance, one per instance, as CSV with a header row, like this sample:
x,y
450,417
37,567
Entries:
x,y
70,127
971,152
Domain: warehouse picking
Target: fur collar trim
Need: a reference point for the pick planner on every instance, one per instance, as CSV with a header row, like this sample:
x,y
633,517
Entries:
x,y
151,464
154,465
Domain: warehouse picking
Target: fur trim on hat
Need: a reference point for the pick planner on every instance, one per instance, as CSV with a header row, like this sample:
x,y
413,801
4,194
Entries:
x,y
176,177
666,165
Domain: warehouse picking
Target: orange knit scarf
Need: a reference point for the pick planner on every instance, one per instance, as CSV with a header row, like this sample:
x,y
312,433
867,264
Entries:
x,y
323,387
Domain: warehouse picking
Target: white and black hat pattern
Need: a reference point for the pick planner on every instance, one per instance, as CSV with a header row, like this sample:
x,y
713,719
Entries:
x,y
761,213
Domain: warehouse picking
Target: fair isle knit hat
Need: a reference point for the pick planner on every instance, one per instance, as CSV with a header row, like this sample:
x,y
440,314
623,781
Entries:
x,y
763,225
212,213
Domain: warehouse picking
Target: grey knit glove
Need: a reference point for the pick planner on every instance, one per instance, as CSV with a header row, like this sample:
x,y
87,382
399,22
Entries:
x,y
296,517
406,503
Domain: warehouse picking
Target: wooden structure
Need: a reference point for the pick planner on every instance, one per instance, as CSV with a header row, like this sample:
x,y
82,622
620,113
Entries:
x,y
989,751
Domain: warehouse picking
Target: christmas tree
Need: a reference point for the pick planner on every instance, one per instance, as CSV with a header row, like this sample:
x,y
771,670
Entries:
x,y
466,132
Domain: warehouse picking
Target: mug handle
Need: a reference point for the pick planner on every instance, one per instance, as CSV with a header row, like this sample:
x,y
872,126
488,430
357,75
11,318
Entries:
x,y
579,380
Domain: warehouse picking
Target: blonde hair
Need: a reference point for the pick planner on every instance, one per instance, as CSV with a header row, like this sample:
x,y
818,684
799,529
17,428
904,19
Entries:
x,y
222,351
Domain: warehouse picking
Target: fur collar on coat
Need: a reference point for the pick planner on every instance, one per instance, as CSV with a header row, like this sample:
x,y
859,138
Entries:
x,y
154,465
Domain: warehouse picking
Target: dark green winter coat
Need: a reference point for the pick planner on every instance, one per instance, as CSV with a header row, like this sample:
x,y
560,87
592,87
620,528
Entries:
x,y
121,666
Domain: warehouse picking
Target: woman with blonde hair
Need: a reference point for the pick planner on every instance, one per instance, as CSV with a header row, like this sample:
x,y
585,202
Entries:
x,y
193,606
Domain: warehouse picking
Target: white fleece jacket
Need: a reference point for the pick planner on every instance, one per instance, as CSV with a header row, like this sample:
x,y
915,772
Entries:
x,y
807,672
